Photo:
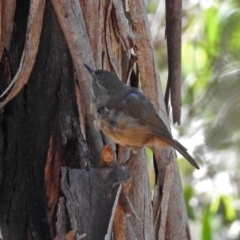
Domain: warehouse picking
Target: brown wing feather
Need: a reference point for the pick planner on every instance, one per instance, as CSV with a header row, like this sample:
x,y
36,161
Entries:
x,y
136,105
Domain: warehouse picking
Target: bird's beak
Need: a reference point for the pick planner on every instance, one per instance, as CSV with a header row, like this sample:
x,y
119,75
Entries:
x,y
89,69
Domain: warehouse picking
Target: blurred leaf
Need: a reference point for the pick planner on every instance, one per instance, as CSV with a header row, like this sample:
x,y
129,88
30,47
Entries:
x,y
215,205
149,153
151,172
188,192
223,130
152,6
223,205
185,168
206,225
212,27
231,25
194,57
230,213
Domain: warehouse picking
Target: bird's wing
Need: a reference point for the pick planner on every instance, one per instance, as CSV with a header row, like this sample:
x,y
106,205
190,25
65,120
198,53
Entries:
x,y
136,105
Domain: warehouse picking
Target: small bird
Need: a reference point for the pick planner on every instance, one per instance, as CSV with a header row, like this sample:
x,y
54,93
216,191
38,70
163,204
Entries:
x,y
127,117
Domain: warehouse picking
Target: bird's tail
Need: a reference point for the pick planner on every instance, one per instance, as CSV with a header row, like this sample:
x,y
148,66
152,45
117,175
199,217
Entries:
x,y
181,149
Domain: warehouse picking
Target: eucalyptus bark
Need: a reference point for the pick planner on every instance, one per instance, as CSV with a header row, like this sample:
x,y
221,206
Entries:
x,y
51,155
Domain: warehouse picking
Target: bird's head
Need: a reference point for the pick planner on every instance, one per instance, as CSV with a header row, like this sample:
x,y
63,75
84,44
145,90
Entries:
x,y
105,82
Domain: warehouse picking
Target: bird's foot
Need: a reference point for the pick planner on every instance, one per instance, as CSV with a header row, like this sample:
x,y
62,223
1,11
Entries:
x,y
135,150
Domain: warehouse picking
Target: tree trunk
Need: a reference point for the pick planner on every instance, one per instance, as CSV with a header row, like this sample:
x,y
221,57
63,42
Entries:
x,y
55,178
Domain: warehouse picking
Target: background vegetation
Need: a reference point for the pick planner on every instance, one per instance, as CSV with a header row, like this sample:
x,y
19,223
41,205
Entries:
x,y
210,126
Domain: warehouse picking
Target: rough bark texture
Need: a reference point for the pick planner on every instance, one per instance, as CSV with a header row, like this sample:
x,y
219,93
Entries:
x,y
89,195
48,126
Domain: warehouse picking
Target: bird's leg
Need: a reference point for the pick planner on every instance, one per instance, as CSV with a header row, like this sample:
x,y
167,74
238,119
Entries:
x,y
130,159
125,164
134,149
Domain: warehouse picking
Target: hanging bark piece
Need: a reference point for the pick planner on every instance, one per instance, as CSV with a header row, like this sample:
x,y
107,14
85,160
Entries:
x,y
160,227
140,220
29,53
90,197
81,109
51,179
151,87
70,17
5,67
108,236
119,224
144,51
114,45
173,35
95,10
125,31
61,225
61,220
111,44
7,8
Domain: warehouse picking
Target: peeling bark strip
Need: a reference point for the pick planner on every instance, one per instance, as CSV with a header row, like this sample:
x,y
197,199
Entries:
x,y
29,53
173,35
91,197
7,8
167,188
144,51
176,218
61,220
108,236
125,31
70,17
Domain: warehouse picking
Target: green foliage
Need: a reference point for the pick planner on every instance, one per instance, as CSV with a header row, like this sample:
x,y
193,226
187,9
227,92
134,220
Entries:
x,y
206,225
211,74
188,195
151,171
223,205
152,6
